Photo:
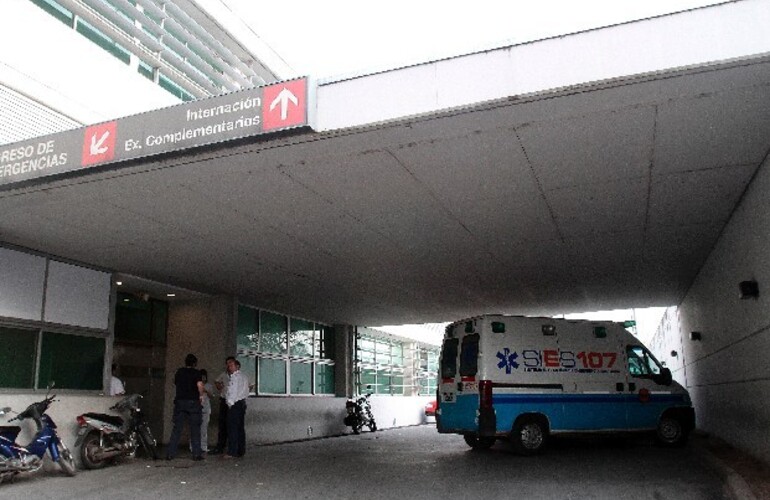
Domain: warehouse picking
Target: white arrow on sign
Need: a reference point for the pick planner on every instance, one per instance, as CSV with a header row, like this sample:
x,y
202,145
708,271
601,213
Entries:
x,y
97,147
283,98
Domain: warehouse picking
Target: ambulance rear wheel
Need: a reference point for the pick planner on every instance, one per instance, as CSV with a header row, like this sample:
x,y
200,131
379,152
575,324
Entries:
x,y
528,435
479,442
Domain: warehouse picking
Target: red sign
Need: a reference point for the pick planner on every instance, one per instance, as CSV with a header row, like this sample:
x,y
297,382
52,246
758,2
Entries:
x,y
99,143
284,105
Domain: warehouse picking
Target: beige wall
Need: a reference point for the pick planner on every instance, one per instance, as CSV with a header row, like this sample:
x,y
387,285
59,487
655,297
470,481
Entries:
x,y
205,328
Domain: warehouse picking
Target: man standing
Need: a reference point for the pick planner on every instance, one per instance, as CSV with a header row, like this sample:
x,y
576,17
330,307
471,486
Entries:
x,y
221,383
187,407
237,392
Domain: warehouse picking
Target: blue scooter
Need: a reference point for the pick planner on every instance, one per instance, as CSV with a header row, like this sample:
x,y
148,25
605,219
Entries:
x,y
15,458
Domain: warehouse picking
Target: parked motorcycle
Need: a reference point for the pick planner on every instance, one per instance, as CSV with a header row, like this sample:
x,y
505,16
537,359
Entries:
x,y
360,414
104,438
15,458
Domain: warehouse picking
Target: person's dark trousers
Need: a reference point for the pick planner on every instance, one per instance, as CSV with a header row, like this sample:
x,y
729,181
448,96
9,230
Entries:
x,y
236,435
222,427
190,411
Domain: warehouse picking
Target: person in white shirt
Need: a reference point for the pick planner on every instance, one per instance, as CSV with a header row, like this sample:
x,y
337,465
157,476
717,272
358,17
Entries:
x,y
116,385
237,393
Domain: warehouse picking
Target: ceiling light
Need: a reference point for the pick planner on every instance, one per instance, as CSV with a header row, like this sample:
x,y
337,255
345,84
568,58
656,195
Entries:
x,y
118,283
170,295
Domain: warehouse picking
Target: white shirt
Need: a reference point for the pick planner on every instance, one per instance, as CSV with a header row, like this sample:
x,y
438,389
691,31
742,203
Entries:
x,y
116,386
223,379
206,401
238,388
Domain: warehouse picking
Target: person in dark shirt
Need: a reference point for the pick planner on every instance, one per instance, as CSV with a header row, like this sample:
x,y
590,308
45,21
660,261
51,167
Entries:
x,y
187,407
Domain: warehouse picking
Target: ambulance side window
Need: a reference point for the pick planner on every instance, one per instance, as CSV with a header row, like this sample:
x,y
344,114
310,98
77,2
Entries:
x,y
641,363
469,356
449,358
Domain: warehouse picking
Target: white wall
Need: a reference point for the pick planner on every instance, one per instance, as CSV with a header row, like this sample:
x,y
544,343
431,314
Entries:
x,y
727,372
271,420
717,33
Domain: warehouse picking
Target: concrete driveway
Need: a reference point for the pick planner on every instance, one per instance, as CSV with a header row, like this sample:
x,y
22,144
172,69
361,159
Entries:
x,y
403,463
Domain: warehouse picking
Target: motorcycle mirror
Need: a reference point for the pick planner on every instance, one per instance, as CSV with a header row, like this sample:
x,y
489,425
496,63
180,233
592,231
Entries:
x,y
5,410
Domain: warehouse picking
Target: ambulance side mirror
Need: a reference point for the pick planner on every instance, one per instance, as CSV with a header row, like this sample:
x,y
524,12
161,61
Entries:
x,y
664,377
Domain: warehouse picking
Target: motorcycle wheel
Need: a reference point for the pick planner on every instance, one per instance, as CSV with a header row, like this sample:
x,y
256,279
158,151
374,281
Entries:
x,y
357,428
372,425
88,450
66,461
148,443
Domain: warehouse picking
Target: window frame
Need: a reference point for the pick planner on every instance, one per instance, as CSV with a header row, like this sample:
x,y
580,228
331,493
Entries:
x,y
286,354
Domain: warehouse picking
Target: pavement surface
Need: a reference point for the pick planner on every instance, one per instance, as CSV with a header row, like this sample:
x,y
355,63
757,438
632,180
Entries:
x,y
418,463
745,477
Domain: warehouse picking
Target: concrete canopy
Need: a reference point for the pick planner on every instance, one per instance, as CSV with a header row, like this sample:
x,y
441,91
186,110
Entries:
x,y
594,194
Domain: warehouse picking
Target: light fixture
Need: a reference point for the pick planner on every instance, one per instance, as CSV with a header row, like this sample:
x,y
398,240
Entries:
x,y
118,283
748,289
170,295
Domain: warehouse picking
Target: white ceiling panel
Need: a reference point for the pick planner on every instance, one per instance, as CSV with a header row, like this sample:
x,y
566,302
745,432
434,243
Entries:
x,y
598,196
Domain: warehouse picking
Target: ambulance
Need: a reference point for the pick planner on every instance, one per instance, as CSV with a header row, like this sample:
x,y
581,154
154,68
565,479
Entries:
x,y
525,379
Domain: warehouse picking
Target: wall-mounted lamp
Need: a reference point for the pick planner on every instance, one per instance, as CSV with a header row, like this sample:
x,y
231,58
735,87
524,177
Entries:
x,y
695,336
748,289
674,354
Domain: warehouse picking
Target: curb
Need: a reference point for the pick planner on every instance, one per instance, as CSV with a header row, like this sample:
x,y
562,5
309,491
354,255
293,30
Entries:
x,y
735,486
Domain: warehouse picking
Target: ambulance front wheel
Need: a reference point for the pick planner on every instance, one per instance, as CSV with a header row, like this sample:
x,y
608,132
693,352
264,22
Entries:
x,y
479,442
671,432
529,434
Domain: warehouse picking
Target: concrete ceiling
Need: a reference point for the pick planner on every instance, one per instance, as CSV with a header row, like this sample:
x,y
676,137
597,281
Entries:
x,y
594,197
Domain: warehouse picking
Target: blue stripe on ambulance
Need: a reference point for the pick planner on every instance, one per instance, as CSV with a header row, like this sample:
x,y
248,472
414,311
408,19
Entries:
x,y
584,411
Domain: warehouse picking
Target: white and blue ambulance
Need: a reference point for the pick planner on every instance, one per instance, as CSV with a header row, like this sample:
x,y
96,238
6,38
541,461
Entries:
x,y
527,378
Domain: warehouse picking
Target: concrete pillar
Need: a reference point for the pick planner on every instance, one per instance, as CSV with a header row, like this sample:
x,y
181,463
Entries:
x,y
344,356
206,328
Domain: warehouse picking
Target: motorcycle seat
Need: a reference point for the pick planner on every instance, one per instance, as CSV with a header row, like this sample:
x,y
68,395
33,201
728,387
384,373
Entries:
x,y
110,419
10,428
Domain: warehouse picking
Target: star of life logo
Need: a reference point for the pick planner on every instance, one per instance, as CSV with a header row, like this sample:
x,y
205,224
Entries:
x,y
507,360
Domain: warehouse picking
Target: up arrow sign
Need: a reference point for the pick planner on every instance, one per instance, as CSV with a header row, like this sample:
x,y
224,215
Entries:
x,y
98,147
283,98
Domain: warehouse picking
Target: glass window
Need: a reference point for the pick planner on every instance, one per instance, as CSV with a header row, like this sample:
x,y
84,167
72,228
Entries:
x,y
283,353
641,362
17,357
301,377
103,41
143,321
449,358
324,347
272,376
469,356
248,328
248,368
72,361
324,379
380,364
301,338
55,10
273,329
